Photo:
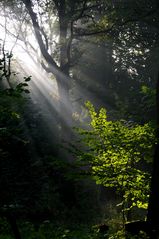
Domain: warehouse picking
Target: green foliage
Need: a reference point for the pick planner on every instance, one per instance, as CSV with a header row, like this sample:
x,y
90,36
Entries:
x,y
117,154
4,227
48,230
12,99
14,164
149,98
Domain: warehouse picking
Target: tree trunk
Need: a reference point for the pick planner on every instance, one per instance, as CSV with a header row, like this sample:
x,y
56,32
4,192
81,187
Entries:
x,y
65,109
60,72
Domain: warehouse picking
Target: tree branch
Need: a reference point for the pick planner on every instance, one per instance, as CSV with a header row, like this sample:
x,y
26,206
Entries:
x,y
47,69
117,24
38,35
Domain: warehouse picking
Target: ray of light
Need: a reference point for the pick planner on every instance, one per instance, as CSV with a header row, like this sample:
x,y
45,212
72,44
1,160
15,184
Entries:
x,y
44,91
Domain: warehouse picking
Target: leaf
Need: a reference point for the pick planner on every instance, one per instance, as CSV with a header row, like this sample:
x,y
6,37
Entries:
x,y
26,91
27,78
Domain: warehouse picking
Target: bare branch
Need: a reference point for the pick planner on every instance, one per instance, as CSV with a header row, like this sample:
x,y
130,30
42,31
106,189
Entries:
x,y
105,31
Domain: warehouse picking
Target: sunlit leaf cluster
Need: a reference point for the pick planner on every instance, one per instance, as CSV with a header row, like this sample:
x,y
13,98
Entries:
x,y
119,154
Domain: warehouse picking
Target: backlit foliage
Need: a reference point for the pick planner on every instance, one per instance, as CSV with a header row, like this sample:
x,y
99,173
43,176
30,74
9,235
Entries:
x,y
118,154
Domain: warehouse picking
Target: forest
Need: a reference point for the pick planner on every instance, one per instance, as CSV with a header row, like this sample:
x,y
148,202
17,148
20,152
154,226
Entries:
x,y
79,119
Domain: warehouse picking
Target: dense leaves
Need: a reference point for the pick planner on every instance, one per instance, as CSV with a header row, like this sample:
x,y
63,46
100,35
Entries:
x,y
118,154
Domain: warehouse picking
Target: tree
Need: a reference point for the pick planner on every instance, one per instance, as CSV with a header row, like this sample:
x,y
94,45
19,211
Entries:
x,y
12,143
74,19
138,22
145,15
21,179
116,156
61,69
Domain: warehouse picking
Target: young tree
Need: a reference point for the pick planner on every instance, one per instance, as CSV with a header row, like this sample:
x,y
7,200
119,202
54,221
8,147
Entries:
x,y
116,155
